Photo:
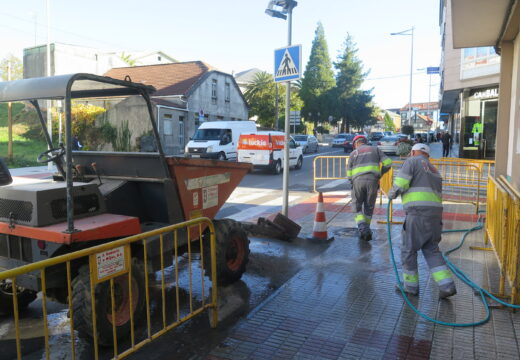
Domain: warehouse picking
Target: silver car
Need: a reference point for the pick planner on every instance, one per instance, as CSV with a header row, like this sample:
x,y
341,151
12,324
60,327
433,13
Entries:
x,y
388,144
339,140
309,143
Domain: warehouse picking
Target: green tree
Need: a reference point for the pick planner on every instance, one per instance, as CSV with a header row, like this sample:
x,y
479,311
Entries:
x,y
260,95
389,123
16,68
346,96
407,129
318,79
359,110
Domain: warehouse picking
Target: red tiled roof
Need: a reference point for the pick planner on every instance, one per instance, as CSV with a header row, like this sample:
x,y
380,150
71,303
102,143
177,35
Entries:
x,y
168,79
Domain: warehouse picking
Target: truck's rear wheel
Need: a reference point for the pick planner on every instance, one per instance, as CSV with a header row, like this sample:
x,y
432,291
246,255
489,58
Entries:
x,y
277,167
81,303
299,163
232,247
24,296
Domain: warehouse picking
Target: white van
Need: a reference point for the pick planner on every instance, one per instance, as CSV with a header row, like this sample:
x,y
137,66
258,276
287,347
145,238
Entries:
x,y
218,139
265,149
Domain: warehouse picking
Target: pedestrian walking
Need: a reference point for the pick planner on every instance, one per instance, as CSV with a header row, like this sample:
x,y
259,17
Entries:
x,y
420,186
76,145
364,172
446,144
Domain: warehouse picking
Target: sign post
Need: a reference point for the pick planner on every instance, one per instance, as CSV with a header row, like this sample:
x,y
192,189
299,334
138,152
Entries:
x,y
287,67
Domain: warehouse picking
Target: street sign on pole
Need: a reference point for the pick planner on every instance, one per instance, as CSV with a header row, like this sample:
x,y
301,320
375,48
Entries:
x,y
430,70
295,118
288,63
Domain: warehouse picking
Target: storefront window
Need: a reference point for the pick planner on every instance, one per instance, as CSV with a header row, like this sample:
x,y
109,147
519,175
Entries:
x,y
478,130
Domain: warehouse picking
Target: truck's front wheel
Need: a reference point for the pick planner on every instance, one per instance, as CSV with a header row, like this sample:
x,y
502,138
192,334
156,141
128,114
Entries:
x,y
232,247
81,303
24,297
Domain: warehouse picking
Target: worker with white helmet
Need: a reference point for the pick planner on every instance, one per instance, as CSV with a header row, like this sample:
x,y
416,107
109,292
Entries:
x,y
420,186
365,167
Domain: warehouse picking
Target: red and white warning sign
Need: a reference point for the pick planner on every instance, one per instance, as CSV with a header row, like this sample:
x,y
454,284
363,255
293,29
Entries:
x,y
110,263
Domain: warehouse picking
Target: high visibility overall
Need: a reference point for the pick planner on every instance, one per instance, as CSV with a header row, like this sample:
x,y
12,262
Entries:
x,y
477,131
420,186
364,171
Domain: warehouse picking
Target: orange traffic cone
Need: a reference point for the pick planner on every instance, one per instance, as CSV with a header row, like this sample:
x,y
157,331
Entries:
x,y
319,231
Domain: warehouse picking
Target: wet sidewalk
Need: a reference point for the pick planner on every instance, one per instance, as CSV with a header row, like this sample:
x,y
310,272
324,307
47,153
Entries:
x,y
343,304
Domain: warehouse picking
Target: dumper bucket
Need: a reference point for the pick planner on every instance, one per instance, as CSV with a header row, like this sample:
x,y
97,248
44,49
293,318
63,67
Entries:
x,y
204,185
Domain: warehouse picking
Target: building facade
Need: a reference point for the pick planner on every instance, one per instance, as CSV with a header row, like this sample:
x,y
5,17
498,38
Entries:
x,y
188,93
469,89
501,31
424,116
70,59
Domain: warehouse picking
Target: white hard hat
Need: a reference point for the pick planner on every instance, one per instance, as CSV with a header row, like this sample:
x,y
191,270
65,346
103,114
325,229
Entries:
x,y
422,147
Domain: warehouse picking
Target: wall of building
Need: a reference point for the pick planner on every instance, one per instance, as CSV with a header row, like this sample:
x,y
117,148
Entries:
x,y
172,124
219,108
451,63
513,152
69,59
132,113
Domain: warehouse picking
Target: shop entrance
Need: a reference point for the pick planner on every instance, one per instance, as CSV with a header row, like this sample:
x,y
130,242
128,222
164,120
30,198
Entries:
x,y
478,130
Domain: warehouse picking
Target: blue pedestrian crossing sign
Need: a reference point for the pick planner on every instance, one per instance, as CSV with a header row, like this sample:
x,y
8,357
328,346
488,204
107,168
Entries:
x,y
288,63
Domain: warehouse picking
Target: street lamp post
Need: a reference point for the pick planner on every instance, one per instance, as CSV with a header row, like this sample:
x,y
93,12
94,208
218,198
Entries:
x,y
406,33
286,13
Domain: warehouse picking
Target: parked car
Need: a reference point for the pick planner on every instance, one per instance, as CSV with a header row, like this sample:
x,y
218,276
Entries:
x,y
388,144
376,136
388,133
308,143
348,146
265,149
339,140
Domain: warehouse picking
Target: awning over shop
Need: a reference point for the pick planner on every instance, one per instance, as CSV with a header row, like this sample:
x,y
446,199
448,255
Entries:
x,y
478,22
449,99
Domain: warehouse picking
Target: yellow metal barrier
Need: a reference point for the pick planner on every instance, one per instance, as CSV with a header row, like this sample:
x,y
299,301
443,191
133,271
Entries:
x,y
462,182
120,268
329,168
487,166
502,228
386,183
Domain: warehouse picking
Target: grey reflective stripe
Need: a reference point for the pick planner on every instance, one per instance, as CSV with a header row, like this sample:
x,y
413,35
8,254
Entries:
x,y
364,160
438,268
445,281
422,203
425,179
423,189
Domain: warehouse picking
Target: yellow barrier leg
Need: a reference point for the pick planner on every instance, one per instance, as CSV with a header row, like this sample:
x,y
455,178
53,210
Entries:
x,y
391,218
482,248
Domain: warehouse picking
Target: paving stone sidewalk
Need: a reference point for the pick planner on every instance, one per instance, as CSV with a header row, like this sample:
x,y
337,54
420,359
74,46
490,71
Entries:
x,y
343,305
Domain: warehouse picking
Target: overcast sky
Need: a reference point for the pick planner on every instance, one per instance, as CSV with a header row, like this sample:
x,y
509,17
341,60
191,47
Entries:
x,y
235,35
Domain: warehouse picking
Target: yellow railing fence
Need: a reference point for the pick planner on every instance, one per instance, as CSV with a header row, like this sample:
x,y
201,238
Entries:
x,y
113,297
461,182
329,168
502,229
464,180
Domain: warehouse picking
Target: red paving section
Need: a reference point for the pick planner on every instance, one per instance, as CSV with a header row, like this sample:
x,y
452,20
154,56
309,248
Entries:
x,y
308,206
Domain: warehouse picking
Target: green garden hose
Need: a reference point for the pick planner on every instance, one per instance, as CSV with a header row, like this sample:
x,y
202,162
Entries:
x,y
459,273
